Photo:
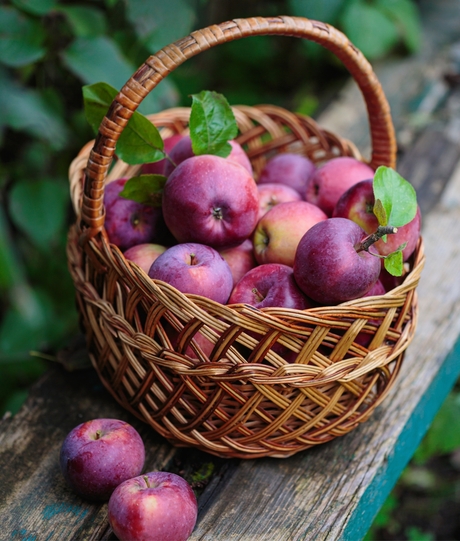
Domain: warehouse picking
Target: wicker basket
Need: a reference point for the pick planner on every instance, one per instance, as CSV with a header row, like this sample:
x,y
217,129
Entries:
x,y
243,399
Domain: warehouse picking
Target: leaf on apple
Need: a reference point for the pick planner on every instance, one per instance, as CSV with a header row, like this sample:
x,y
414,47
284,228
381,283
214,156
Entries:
x,y
212,124
139,142
395,198
394,263
146,189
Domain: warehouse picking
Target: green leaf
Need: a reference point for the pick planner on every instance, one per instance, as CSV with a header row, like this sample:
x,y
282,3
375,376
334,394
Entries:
x,y
369,29
160,23
406,17
394,263
146,189
35,7
24,325
10,270
96,101
212,124
39,209
397,197
21,38
30,111
86,21
140,141
99,59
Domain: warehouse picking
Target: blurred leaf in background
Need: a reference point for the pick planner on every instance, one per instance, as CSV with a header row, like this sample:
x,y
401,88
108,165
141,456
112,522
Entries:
x,y
49,49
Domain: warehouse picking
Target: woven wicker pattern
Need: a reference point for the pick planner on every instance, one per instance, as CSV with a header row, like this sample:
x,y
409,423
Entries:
x,y
213,376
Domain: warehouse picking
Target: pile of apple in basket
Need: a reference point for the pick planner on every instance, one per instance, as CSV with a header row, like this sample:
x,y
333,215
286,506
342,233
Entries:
x,y
300,236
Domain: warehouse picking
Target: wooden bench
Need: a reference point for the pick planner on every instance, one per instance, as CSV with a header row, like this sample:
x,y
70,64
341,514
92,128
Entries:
x,y
330,492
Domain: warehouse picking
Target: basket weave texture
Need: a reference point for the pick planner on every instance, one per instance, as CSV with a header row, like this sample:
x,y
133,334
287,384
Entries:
x,y
243,399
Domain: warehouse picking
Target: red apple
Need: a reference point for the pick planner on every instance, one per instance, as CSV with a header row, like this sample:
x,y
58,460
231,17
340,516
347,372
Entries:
x,y
329,268
290,169
271,284
334,178
357,204
279,231
158,168
240,259
272,194
144,254
157,506
183,150
194,268
128,223
210,200
98,455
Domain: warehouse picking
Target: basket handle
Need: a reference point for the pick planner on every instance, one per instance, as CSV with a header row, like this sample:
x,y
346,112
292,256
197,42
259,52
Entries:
x,y
159,65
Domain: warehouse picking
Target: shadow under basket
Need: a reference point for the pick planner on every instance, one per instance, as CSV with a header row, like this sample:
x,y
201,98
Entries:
x,y
216,377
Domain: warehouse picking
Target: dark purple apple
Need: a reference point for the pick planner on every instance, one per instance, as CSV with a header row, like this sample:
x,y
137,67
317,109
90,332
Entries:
x,y
287,168
210,200
271,284
158,168
128,223
144,254
357,204
279,231
183,150
334,178
98,455
272,194
157,506
194,268
329,268
240,259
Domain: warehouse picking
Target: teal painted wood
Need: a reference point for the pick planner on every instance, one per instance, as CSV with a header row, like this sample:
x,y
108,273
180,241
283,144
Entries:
x,y
406,445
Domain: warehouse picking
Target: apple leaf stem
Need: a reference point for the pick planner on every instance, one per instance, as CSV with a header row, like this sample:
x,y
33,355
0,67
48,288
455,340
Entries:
x,y
368,241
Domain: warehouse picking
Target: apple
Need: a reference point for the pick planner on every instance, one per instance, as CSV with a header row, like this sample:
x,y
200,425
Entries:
x,y
240,259
97,455
357,204
271,194
270,284
328,265
279,231
183,150
157,506
194,268
158,168
128,223
210,200
376,289
334,178
144,254
287,168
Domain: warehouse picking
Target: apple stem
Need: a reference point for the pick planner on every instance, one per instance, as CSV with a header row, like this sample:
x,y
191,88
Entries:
x,y
368,241
258,294
146,479
98,434
192,259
